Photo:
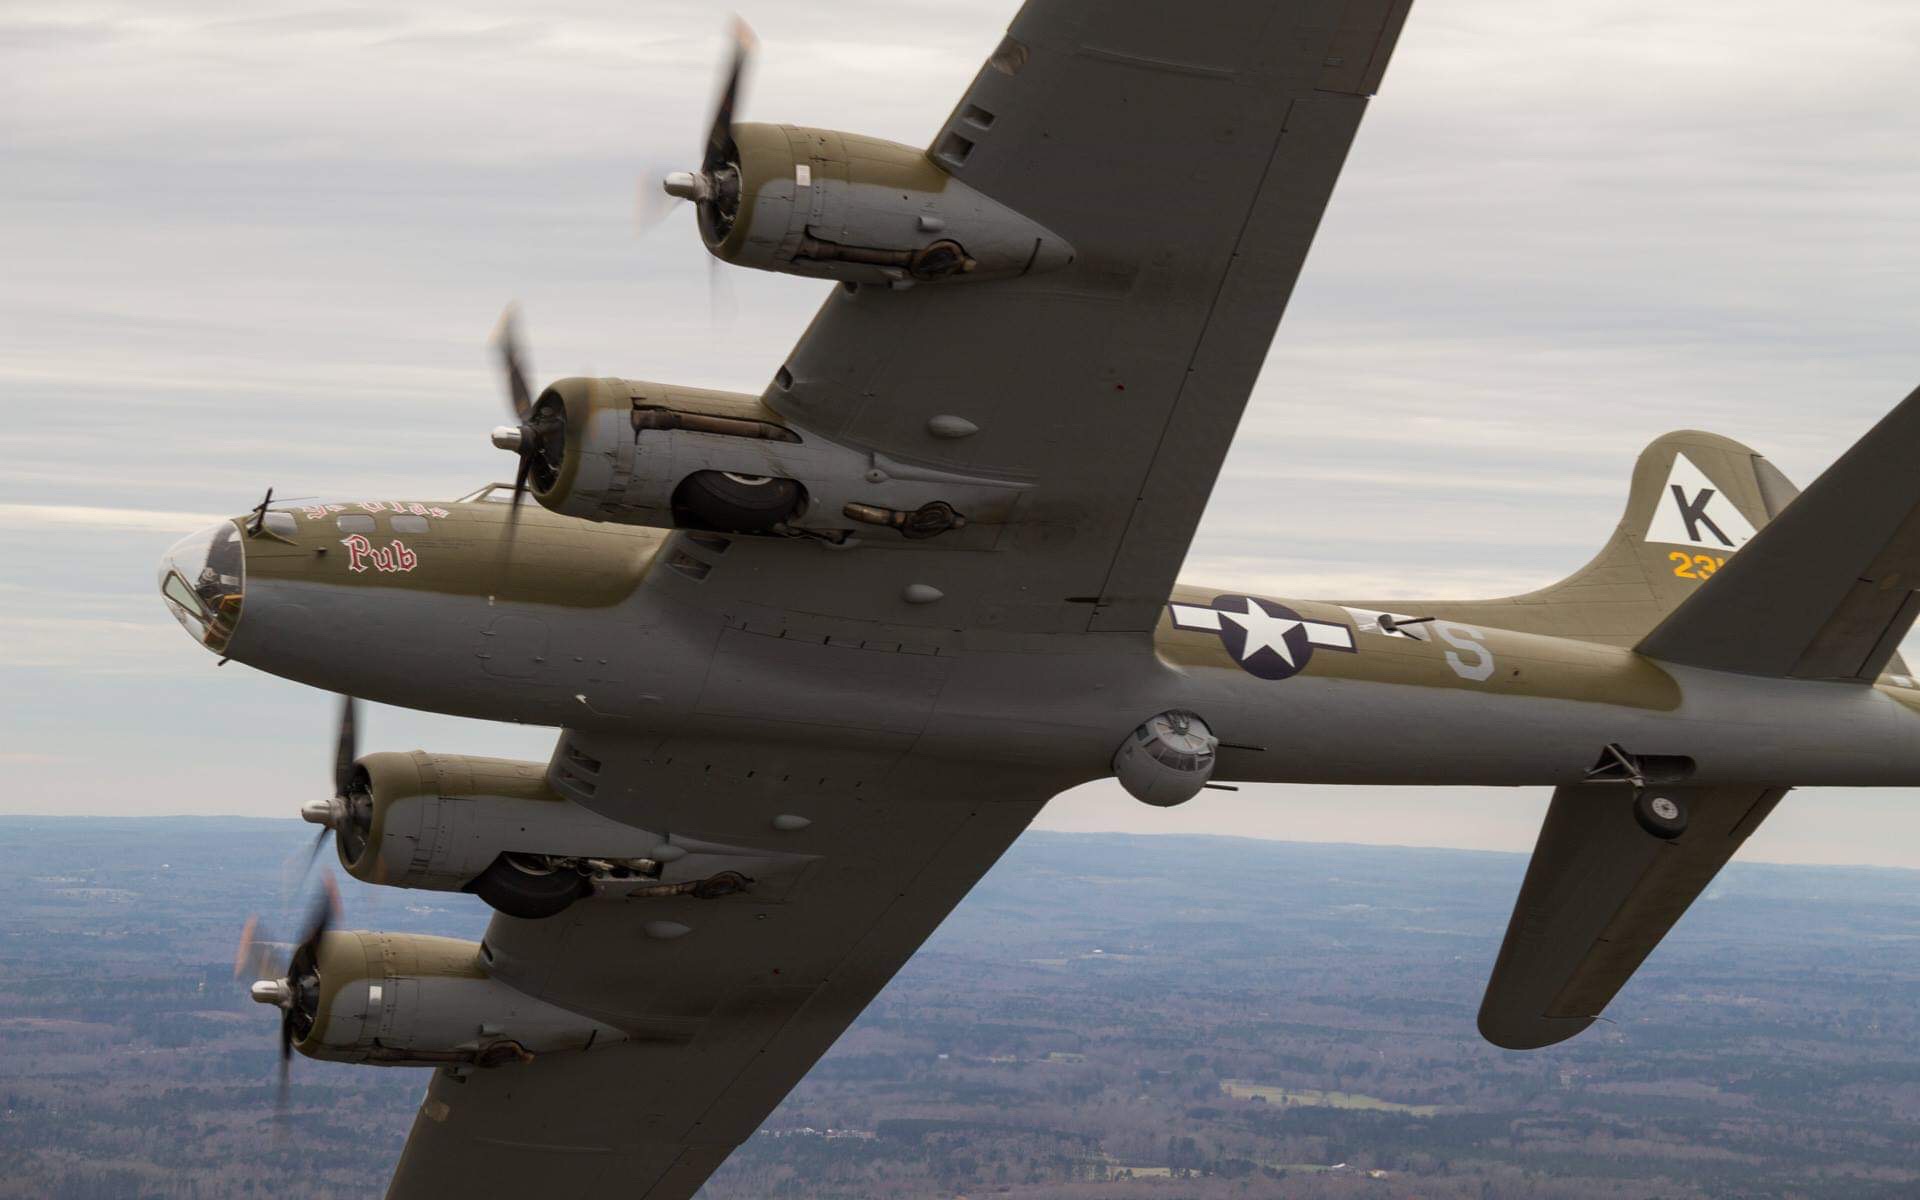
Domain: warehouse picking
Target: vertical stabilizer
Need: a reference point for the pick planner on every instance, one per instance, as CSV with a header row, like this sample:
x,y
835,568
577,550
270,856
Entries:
x,y
1695,500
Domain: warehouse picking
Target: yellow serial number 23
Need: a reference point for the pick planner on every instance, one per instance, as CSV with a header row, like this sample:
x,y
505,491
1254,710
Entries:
x,y
1695,566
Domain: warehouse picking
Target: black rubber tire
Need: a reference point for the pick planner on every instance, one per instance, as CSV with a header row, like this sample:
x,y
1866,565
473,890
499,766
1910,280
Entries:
x,y
1659,814
729,503
516,891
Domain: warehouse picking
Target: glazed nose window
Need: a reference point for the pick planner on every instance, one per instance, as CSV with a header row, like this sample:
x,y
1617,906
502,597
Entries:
x,y
202,579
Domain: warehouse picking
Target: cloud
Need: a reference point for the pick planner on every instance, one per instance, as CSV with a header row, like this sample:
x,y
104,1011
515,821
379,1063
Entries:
x,y
268,249
44,516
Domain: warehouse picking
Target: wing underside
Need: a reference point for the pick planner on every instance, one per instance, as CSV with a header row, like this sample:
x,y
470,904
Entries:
x,y
1187,154
724,1017
1600,893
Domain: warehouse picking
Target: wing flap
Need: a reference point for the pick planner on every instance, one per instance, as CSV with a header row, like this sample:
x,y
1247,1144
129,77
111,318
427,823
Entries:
x,y
1599,895
1826,589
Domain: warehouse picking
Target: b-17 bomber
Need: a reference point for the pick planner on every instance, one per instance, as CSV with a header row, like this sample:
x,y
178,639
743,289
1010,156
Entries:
x,y
817,656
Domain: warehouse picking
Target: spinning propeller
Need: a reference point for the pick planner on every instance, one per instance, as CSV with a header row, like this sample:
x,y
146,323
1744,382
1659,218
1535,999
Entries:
x,y
296,992
715,187
539,435
349,813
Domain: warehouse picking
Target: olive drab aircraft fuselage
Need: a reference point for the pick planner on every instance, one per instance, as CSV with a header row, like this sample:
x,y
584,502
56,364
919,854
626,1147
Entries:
x,y
818,656
602,629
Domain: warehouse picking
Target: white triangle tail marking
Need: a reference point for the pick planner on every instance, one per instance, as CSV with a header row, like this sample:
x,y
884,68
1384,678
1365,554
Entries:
x,y
1691,510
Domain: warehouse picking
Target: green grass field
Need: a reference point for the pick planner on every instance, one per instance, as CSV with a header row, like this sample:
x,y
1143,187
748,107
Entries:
x,y
1241,1089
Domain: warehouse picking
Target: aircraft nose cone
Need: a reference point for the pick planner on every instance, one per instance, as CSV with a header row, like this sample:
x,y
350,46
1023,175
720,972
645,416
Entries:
x,y
202,580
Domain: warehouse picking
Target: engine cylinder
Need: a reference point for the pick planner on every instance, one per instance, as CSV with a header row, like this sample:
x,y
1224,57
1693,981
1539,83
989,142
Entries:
x,y
1167,760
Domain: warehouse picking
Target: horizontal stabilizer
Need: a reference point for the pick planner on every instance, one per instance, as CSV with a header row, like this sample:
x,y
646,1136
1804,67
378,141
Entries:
x,y
1826,589
1599,895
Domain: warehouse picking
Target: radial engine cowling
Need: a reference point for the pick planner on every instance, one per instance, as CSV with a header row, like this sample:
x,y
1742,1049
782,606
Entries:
x,y
1167,760
861,210
437,821
409,1000
642,453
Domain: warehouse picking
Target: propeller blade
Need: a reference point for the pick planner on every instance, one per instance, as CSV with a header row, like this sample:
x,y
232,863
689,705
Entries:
x,y
520,482
320,915
653,204
297,868
519,495
720,305
284,1085
248,954
506,338
720,134
346,746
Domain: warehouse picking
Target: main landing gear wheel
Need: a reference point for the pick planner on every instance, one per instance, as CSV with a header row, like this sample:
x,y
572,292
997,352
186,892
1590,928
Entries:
x,y
728,503
523,887
1661,816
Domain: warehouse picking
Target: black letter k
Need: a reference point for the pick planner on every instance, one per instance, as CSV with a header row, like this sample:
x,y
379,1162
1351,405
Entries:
x,y
1695,514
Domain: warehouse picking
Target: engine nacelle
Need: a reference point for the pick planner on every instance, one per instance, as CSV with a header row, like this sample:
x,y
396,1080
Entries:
x,y
641,453
496,827
438,821
865,211
396,999
1167,760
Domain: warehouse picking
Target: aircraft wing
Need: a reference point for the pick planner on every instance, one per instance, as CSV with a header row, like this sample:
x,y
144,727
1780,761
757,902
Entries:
x,y
1599,895
725,1018
1186,152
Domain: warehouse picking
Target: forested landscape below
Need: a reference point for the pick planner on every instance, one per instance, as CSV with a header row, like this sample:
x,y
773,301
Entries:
x,y
1105,1016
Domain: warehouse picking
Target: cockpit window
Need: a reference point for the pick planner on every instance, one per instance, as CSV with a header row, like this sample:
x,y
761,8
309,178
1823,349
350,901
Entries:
x,y
202,579
493,493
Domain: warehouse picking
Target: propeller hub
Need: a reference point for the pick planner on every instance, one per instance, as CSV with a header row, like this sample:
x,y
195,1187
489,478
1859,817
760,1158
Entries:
x,y
324,812
688,186
276,992
509,437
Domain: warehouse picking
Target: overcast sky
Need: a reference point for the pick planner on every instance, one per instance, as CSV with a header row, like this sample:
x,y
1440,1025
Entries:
x,y
252,244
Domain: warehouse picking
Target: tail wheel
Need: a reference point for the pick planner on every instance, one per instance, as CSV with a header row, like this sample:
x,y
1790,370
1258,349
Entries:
x,y
728,503
521,886
1663,816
